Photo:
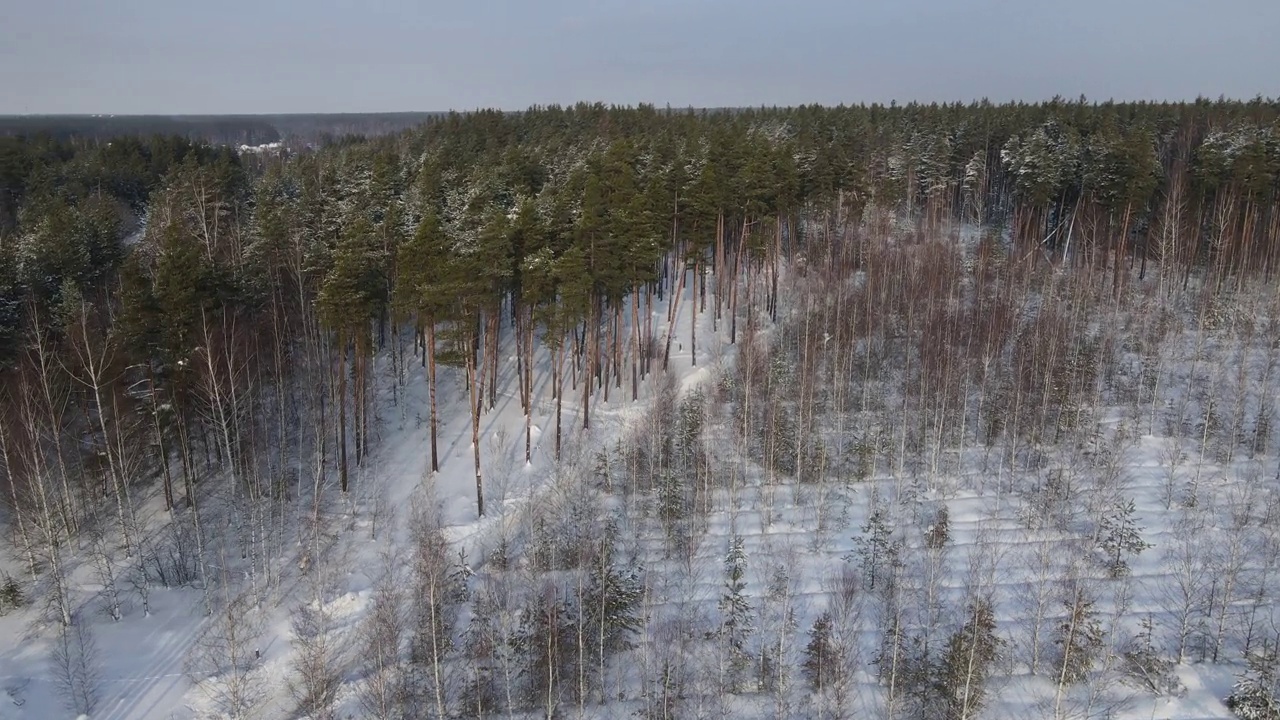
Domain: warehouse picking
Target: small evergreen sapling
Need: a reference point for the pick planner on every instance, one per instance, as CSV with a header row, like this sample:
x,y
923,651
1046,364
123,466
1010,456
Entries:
x,y
1080,638
612,603
938,533
821,665
778,625
1144,667
738,619
966,663
1119,535
11,595
877,551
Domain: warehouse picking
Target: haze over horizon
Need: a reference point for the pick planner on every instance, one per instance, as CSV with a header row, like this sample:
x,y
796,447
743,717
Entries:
x,y
154,57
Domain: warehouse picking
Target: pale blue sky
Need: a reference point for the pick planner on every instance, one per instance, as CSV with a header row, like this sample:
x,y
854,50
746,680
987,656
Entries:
x,y
267,56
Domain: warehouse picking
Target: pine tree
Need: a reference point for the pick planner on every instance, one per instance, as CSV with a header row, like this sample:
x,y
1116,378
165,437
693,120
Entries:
x,y
823,663
967,662
1120,536
938,534
738,619
611,603
877,553
1079,638
348,298
420,289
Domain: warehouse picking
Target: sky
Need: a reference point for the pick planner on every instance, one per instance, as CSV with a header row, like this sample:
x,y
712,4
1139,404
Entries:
x,y
268,56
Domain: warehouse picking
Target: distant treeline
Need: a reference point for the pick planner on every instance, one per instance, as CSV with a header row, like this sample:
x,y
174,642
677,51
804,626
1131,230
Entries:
x,y
214,129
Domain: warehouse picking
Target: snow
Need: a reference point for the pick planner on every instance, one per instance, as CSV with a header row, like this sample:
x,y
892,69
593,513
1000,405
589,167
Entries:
x,y
789,531
10,707
263,148
142,657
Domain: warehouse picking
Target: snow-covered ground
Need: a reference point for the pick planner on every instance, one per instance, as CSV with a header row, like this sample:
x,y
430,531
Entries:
x,y
141,660
1204,518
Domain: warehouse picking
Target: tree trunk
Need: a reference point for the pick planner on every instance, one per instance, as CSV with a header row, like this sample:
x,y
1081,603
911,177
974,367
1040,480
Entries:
x,y
636,348
429,356
477,397
693,310
492,341
559,389
588,369
342,413
524,353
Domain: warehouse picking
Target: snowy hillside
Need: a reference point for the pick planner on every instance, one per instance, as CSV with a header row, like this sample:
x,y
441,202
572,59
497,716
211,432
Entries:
x,y
908,412
741,532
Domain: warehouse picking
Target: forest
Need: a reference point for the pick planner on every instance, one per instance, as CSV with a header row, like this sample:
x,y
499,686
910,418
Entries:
x,y
296,129
908,411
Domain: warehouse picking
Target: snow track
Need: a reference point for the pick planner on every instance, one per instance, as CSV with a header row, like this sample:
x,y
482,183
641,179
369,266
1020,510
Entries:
x,y
163,685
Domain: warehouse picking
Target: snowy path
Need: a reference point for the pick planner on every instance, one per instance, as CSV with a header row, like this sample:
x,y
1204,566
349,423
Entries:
x,y
140,662
164,685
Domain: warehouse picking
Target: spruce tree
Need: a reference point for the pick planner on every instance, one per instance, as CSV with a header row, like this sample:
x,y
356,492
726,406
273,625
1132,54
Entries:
x,y
737,618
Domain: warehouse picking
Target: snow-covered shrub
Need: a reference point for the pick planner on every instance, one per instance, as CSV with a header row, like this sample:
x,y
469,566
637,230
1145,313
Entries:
x,y
169,557
1144,667
1256,695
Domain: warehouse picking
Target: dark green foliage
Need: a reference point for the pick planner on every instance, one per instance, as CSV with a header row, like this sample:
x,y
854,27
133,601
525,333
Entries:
x,y
574,186
611,604
487,648
823,662
1119,536
1079,639
10,307
878,552
687,434
1144,666
280,272
11,595
938,534
967,663
674,505
64,243
351,291
546,642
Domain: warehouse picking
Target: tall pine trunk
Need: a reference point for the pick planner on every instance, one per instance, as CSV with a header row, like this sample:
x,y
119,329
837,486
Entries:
x,y
429,355
342,413
559,389
699,288
477,397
